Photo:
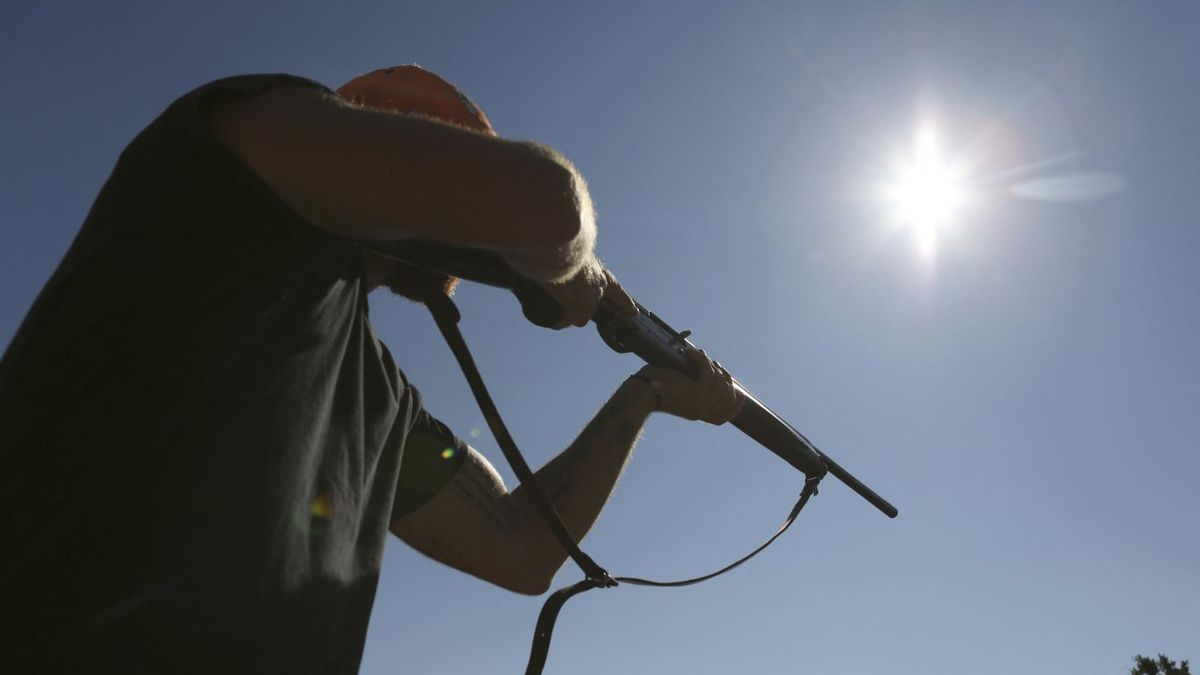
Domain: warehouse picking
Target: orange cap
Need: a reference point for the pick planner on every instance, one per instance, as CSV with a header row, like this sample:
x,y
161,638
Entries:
x,y
412,89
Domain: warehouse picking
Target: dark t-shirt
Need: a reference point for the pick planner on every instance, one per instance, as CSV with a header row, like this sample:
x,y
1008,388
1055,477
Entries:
x,y
200,435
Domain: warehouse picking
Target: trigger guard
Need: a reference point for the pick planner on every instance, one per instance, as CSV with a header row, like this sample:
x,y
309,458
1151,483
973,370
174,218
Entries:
x,y
611,340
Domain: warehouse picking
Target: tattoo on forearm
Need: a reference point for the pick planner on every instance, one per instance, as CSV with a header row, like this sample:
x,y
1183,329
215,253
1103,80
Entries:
x,y
612,429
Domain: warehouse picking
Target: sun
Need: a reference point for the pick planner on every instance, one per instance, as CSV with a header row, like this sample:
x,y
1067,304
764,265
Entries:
x,y
927,192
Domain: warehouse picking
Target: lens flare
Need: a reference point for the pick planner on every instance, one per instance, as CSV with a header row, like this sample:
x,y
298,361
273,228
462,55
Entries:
x,y
927,192
321,507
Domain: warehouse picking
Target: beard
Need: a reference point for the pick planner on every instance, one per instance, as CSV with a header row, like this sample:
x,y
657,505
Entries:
x,y
416,284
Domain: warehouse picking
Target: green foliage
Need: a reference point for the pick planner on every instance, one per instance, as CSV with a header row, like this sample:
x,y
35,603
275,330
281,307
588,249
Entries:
x,y
1144,665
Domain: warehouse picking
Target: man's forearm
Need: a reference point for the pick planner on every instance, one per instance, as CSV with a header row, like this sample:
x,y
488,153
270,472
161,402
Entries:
x,y
380,176
580,479
480,527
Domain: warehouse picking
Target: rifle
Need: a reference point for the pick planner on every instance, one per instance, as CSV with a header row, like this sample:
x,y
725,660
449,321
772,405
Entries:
x,y
645,335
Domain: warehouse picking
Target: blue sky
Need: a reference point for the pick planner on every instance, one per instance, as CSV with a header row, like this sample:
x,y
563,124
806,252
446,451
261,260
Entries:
x,y
1028,395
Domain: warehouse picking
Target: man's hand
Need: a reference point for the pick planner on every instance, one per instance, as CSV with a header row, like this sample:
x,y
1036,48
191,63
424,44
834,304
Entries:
x,y
580,295
708,395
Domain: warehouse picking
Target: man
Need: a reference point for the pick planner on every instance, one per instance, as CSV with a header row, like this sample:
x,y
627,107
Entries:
x,y
203,444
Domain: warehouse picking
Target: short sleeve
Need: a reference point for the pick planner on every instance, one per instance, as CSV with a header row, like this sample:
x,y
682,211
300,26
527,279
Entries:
x,y
188,114
181,134
176,176
432,457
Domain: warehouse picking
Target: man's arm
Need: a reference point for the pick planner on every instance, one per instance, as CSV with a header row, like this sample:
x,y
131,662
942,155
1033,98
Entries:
x,y
474,524
377,175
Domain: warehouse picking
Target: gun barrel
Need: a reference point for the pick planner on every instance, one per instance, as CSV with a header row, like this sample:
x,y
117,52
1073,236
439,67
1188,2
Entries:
x,y
863,491
758,422
655,342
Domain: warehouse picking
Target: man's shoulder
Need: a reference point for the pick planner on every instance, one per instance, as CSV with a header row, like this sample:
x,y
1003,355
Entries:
x,y
189,113
248,85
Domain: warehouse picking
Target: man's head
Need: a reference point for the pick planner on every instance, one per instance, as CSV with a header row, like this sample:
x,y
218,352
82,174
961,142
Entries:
x,y
412,90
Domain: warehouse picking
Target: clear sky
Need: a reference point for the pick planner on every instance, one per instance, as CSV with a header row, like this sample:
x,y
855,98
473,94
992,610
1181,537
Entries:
x,y
1021,378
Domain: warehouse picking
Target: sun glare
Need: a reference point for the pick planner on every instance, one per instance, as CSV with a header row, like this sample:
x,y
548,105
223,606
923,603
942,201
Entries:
x,y
927,193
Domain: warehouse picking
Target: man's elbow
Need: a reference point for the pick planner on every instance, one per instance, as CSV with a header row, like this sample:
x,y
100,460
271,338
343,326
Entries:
x,y
520,582
565,235
529,586
530,573
532,578
562,203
